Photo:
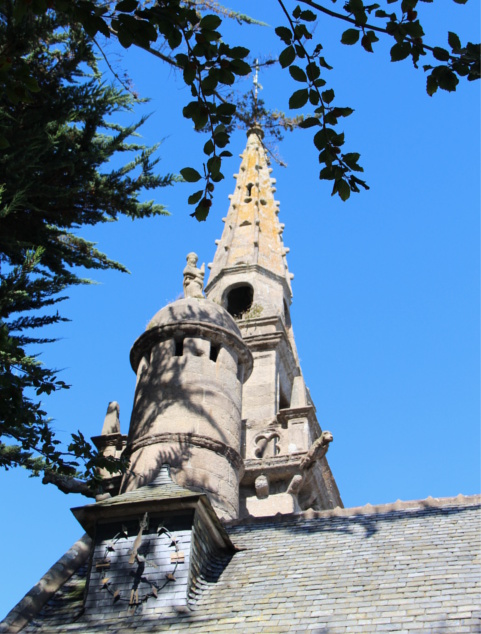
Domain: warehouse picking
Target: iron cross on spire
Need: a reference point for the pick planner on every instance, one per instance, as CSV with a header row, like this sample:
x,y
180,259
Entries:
x,y
257,87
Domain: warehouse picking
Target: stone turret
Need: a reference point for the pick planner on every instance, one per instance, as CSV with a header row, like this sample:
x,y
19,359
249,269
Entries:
x,y
190,365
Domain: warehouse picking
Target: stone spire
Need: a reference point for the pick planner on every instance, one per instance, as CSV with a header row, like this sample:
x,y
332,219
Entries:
x,y
283,446
251,242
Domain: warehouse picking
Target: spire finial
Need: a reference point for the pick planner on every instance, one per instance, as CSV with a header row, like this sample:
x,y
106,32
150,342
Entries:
x,y
257,87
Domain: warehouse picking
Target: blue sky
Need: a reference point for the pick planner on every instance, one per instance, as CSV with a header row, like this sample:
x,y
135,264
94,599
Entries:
x,y
386,290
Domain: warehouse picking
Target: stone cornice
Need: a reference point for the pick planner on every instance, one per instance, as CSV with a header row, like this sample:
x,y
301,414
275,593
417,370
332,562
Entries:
x,y
272,467
107,440
265,340
285,415
216,334
243,269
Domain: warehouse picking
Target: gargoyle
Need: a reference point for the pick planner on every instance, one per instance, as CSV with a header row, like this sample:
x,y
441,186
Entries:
x,y
317,450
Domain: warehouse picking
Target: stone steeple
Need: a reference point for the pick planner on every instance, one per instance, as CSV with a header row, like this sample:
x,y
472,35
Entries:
x,y
220,395
250,278
251,251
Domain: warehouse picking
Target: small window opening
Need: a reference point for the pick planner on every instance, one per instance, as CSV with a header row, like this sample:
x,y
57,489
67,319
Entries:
x,y
214,352
179,347
249,189
283,401
239,300
275,446
287,316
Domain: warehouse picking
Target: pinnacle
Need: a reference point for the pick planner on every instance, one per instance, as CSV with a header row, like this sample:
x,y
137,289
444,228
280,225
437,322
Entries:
x,y
252,233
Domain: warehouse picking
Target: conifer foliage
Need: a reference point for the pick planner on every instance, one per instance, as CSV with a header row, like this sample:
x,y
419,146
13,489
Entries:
x,y
54,179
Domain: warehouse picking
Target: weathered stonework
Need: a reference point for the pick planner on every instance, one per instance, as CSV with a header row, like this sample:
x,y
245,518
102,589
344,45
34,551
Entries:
x,y
220,397
190,365
250,278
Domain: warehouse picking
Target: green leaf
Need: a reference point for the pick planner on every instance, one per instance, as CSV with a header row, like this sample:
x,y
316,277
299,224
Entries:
x,y
299,98
441,54
190,175
126,5
189,74
320,139
431,85
125,38
287,56
328,95
314,96
194,198
209,147
313,71
350,37
308,16
400,51
366,43
351,159
214,165
239,67
297,73
238,52
454,41
226,109
310,122
210,22
202,210
447,80
300,31
284,33
343,189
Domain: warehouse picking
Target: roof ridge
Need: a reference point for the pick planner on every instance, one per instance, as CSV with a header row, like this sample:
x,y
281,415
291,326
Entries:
x,y
367,509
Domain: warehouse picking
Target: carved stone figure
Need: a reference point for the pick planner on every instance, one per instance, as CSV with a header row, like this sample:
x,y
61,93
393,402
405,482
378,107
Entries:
x,y
295,484
193,277
262,487
317,450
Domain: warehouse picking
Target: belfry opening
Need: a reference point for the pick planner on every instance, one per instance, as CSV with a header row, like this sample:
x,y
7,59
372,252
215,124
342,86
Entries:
x,y
239,300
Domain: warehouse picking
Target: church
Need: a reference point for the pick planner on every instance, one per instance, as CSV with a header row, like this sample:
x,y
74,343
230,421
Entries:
x,y
229,517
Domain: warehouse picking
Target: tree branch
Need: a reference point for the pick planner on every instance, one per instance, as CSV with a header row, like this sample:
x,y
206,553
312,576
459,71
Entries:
x,y
68,485
371,27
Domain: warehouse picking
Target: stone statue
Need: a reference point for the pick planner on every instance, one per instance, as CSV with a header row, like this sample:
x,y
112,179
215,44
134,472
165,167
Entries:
x,y
317,450
193,277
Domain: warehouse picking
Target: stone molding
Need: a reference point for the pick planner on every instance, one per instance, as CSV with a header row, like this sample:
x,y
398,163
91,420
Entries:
x,y
216,334
248,268
285,415
196,440
107,440
270,340
275,467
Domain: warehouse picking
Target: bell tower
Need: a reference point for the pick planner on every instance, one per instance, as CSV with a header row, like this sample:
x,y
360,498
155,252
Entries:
x,y
249,277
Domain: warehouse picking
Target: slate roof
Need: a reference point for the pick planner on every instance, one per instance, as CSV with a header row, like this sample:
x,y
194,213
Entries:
x,y
406,567
161,487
